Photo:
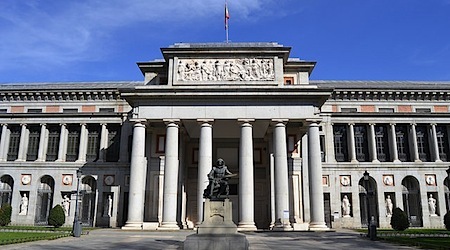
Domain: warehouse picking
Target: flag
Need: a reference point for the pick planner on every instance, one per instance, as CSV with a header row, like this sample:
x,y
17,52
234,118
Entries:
x,y
227,16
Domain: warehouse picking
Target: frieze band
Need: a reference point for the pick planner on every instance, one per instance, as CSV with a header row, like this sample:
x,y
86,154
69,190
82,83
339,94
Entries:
x,y
242,69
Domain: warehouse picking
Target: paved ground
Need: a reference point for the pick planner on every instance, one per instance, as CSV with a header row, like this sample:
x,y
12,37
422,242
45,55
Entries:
x,y
118,239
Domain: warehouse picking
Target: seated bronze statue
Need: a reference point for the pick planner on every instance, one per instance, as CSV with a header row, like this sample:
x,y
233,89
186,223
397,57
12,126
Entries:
x,y
218,188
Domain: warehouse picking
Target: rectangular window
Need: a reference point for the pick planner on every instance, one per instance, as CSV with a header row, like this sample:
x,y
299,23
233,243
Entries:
x,y
340,142
33,143
401,136
53,143
34,111
3,111
93,143
322,147
106,110
422,143
70,110
382,143
113,147
423,110
73,143
442,141
361,147
14,141
386,110
349,110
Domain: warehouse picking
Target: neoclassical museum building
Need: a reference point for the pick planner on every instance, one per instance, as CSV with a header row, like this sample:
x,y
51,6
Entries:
x,y
308,154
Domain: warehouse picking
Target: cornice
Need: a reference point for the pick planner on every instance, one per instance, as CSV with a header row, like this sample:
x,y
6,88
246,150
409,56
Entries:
x,y
380,95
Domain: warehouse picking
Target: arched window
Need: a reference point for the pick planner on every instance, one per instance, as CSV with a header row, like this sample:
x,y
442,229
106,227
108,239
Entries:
x,y
6,188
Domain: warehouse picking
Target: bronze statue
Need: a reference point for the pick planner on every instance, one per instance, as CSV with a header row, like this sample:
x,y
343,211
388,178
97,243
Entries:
x,y
218,182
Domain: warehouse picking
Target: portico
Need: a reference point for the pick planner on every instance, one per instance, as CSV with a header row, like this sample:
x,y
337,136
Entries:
x,y
244,117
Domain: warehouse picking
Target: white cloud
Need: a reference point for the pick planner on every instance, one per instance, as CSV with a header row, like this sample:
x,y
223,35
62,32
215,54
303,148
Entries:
x,y
45,33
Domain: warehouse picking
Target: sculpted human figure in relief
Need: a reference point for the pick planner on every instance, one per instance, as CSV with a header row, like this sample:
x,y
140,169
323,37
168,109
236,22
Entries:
x,y
66,205
245,69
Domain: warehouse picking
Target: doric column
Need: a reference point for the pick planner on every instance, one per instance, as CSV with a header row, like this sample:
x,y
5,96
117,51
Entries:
x,y
103,143
3,142
246,180
23,143
62,143
394,144
82,150
204,163
281,177
169,218
437,158
137,179
351,140
43,139
373,143
315,179
414,142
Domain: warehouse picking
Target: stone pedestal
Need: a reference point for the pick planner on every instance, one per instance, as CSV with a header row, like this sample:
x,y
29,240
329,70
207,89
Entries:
x,y
217,231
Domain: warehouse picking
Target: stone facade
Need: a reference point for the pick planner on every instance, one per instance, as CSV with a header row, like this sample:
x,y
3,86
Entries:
x,y
298,146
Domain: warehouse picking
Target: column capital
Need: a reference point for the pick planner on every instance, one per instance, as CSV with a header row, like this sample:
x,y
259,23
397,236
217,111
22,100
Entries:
x,y
392,124
277,122
372,124
5,124
205,121
169,121
433,124
351,124
83,124
413,124
43,124
245,121
23,124
313,120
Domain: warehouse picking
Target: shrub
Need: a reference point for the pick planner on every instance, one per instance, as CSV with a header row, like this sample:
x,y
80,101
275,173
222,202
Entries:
x,y
399,220
447,220
5,214
56,217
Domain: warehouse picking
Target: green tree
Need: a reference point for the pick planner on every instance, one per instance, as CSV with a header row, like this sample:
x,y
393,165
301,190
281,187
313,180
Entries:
x,y
399,220
56,217
5,214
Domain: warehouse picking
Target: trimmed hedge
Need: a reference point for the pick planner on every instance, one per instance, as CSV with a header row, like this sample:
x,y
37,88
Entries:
x,y
5,214
57,217
399,220
447,220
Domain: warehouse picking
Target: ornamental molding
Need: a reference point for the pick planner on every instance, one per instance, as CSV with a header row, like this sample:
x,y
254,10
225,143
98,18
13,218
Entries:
x,y
230,69
59,96
390,96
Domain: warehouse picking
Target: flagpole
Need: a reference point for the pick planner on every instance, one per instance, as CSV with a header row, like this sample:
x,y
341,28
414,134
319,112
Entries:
x,y
227,17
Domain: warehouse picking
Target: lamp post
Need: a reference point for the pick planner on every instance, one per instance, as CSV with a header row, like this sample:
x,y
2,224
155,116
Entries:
x,y
366,184
76,222
448,187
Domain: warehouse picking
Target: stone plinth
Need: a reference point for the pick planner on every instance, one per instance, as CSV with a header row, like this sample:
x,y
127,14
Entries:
x,y
218,218
217,231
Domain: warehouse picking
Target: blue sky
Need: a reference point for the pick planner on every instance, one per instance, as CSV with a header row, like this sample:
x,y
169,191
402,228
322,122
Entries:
x,y
101,40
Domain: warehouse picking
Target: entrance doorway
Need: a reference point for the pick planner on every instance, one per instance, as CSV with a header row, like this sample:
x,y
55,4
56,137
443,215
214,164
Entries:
x,y
411,201
368,201
44,200
88,195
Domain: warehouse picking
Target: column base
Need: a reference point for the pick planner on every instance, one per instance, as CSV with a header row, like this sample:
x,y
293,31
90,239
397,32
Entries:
x,y
132,226
300,226
282,227
397,161
318,227
375,161
246,227
168,227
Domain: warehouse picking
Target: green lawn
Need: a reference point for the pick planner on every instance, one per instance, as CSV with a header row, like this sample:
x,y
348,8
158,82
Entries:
x,y
19,237
412,237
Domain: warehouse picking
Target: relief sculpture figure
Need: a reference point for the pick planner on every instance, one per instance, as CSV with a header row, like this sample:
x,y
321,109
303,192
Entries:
x,y
243,69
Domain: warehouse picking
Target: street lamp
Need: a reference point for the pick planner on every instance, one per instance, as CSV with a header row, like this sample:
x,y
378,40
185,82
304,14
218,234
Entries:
x,y
448,187
76,222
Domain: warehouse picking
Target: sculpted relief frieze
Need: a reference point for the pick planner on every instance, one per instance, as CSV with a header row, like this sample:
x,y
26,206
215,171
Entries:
x,y
241,69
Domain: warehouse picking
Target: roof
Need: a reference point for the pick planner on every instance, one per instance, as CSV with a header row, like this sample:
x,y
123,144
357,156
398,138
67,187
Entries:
x,y
387,85
52,86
